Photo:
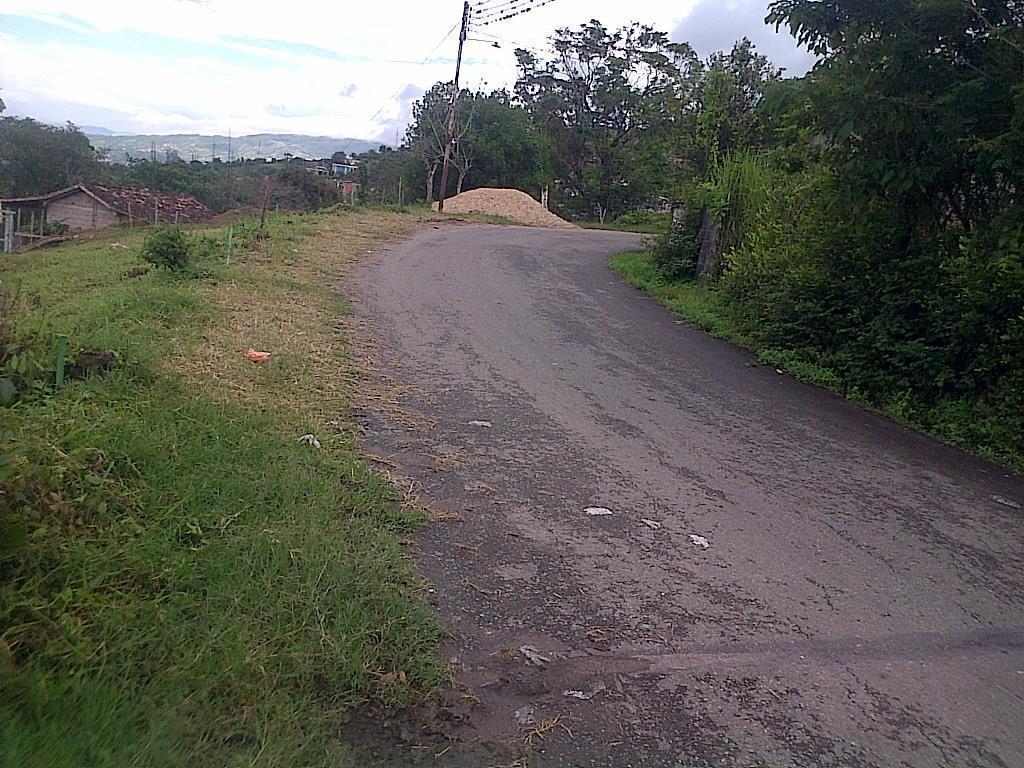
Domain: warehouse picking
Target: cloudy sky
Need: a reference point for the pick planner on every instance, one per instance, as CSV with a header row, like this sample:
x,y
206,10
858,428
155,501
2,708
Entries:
x,y
301,66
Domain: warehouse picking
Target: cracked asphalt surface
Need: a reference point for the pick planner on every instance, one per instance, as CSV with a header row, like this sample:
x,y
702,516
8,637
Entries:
x,y
860,602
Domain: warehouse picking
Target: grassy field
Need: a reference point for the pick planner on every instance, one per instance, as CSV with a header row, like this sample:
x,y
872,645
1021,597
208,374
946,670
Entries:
x,y
953,423
181,581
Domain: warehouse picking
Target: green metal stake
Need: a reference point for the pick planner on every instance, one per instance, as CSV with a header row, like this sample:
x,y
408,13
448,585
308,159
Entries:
x,y
231,242
62,352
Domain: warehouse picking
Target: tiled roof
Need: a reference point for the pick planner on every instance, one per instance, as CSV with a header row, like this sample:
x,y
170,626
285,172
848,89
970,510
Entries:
x,y
141,204
148,204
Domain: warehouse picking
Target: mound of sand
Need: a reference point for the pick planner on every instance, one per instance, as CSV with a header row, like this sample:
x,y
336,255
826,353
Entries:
x,y
510,203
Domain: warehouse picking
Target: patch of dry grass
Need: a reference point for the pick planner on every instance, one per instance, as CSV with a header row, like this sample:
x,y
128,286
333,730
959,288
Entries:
x,y
288,305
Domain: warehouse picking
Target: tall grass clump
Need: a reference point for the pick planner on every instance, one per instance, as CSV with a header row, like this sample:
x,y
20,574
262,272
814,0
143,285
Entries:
x,y
738,196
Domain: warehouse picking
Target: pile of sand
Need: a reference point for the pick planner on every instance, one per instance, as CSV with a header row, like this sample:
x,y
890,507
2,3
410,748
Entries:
x,y
510,203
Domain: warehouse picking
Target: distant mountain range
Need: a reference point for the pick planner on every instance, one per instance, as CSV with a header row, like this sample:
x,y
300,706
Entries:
x,y
188,146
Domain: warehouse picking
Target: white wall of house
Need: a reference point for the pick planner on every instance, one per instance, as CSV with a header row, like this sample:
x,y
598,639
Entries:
x,y
80,211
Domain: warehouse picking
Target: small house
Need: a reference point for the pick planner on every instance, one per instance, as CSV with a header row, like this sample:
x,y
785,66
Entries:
x,y
343,169
92,206
349,190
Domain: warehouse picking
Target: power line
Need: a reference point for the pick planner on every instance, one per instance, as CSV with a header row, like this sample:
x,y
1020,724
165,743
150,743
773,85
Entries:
x,y
495,13
514,11
484,5
483,9
402,87
505,40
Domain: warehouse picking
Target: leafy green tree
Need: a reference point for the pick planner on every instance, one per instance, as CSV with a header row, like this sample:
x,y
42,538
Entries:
x,y
36,158
920,101
427,133
598,98
729,93
507,150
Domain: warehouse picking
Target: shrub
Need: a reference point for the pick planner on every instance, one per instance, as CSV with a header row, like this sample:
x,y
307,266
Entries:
x,y
167,246
22,364
676,251
296,188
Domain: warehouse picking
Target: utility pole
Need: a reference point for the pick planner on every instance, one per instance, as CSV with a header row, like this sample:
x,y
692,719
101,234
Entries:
x,y
450,136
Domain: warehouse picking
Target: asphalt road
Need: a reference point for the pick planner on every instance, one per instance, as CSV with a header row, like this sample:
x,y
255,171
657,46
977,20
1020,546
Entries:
x,y
860,599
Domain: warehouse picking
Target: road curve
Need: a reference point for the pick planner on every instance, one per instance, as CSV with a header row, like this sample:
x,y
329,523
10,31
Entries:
x,y
784,579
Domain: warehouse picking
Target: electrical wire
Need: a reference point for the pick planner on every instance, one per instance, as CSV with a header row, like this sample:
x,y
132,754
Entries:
x,y
515,11
498,12
483,9
486,6
505,40
492,11
401,88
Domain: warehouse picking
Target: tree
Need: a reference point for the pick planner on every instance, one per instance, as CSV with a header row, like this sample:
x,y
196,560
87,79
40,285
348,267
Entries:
x,y
39,158
389,175
428,131
920,100
462,158
508,151
729,93
597,98
462,153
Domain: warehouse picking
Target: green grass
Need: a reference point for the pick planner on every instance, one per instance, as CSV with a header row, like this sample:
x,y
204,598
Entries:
x,y
643,222
704,308
965,425
196,587
691,301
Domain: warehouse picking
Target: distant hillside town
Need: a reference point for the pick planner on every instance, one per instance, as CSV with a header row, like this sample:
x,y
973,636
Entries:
x,y
123,148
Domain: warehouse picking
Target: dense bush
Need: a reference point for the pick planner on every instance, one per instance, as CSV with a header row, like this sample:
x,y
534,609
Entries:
x,y
167,246
926,325
878,237
295,188
675,251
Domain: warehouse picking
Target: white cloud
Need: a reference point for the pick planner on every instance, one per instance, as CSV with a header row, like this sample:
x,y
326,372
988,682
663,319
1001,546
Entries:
x,y
325,68
715,25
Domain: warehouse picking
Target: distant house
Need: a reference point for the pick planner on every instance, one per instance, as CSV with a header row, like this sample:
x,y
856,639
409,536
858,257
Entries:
x,y
93,206
343,169
349,190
